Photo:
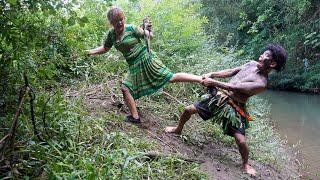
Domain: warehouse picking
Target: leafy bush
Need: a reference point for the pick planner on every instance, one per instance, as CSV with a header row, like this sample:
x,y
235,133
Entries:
x,y
253,24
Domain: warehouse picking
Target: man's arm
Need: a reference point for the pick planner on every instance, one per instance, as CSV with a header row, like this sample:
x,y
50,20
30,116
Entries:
x,y
249,88
224,73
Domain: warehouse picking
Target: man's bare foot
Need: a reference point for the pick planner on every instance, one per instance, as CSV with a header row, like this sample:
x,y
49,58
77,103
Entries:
x,y
170,129
249,170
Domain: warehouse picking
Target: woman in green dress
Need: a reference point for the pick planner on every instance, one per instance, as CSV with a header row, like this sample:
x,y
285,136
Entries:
x,y
146,73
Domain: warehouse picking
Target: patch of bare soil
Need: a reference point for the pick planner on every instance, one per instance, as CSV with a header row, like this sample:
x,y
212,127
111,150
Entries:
x,y
215,159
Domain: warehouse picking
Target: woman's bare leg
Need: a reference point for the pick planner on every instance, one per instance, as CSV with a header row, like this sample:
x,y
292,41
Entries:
x,y
129,101
185,77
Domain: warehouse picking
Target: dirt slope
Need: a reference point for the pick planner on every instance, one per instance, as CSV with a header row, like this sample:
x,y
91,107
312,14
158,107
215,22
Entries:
x,y
216,159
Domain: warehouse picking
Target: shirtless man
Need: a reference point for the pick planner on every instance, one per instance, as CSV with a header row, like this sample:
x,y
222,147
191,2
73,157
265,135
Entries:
x,y
246,80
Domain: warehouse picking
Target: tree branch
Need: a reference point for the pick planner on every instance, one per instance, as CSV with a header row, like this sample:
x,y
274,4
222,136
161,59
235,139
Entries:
x,y
10,136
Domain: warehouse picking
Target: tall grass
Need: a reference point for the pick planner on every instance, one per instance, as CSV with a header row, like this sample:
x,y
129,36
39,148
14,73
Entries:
x,y
89,143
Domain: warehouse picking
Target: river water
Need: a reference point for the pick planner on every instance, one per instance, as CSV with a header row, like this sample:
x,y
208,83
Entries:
x,y
297,119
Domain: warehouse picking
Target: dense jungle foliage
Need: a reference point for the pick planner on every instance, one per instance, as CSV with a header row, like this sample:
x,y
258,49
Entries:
x,y
248,25
42,51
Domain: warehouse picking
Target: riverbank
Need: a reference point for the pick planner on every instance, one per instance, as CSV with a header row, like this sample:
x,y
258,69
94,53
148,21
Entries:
x,y
296,119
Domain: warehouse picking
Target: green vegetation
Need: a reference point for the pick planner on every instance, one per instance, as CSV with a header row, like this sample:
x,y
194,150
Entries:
x,y
59,136
249,25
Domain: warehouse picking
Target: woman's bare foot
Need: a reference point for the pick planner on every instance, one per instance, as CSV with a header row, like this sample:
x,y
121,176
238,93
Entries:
x,y
170,129
249,170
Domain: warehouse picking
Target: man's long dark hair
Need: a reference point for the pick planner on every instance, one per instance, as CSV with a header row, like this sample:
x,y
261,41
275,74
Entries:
x,y
279,54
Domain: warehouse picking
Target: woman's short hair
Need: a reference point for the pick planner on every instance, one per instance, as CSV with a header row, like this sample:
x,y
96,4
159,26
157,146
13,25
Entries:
x,y
112,12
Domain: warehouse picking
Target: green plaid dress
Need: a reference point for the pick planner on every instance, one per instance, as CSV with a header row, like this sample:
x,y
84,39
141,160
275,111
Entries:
x,y
146,73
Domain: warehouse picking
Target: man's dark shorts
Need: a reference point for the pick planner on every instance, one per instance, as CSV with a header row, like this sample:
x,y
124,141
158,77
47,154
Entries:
x,y
206,113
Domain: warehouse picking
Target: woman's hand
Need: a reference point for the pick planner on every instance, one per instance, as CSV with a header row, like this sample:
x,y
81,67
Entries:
x,y
149,26
99,50
86,53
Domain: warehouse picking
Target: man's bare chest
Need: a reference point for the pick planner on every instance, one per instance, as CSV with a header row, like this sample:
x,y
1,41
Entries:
x,y
249,74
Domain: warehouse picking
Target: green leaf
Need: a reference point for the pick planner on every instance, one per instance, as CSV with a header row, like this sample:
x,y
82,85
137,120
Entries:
x,y
71,21
84,19
64,164
316,45
46,12
82,24
90,167
306,42
63,21
13,2
52,12
314,41
310,35
15,64
59,5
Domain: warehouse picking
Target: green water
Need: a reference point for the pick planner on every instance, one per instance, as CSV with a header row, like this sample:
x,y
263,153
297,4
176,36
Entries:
x,y
297,118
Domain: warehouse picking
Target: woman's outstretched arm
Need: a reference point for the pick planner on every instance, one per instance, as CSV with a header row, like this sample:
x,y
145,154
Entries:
x,y
99,50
